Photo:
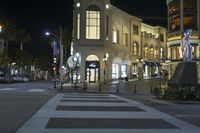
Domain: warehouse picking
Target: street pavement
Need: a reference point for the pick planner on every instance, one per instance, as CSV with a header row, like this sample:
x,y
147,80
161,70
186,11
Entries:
x,y
101,113
19,101
38,105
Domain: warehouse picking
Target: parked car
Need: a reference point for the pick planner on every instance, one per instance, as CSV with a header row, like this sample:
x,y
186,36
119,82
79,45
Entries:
x,y
16,78
25,79
4,78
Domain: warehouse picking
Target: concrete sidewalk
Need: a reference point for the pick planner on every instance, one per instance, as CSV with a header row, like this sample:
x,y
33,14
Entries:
x,y
133,86
101,113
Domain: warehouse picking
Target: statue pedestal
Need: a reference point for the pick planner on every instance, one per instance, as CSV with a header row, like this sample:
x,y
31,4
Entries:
x,y
185,75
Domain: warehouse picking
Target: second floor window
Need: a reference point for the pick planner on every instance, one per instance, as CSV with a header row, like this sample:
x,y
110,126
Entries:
x,y
161,37
135,48
146,52
135,29
151,53
116,36
125,39
93,23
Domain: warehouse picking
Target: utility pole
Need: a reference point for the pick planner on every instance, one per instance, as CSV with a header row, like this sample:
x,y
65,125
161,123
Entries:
x,y
61,58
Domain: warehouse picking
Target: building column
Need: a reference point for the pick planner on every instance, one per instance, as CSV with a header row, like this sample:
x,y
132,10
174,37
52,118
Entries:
x,y
197,52
169,52
181,15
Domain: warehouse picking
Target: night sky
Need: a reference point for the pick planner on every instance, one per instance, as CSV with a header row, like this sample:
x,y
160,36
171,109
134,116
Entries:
x,y
39,16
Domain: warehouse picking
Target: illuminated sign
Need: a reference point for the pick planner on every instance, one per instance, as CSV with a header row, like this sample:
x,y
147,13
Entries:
x,y
93,65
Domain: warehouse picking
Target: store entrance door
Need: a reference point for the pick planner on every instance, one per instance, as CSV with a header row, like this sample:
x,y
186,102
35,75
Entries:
x,y
92,71
92,75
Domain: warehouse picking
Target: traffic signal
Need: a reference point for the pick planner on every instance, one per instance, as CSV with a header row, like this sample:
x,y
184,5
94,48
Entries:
x,y
54,59
54,68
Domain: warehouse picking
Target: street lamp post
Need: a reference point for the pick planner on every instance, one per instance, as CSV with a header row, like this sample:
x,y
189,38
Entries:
x,y
105,59
59,38
140,67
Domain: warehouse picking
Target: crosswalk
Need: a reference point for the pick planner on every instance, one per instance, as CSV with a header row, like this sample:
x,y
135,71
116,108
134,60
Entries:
x,y
101,113
33,90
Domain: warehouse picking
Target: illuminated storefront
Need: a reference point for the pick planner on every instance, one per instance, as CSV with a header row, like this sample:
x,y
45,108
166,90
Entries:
x,y
110,41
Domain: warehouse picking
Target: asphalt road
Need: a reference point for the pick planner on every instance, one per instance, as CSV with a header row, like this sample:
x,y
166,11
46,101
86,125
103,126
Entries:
x,y
186,111
18,102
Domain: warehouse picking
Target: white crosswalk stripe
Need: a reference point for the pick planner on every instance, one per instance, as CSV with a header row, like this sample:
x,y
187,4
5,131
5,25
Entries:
x,y
36,90
95,113
8,89
33,90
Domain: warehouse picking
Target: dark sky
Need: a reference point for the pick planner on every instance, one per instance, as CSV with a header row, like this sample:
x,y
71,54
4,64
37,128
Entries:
x,y
38,16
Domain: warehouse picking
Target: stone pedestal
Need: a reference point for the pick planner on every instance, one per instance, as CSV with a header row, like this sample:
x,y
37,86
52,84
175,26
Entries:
x,y
185,75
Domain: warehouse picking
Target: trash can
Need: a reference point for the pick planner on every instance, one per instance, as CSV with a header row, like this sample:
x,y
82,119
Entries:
x,y
126,78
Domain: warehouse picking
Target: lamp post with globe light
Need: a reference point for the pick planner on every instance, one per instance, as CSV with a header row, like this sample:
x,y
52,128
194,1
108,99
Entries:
x,y
105,60
59,39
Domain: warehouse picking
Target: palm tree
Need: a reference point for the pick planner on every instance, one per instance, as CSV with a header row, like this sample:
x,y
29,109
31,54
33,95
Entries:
x,y
22,37
66,41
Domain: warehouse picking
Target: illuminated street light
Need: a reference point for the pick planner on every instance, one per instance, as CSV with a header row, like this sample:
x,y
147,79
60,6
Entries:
x,y
78,4
47,33
0,28
107,6
59,39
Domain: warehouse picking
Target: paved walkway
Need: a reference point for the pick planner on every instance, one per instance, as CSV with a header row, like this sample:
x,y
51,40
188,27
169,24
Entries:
x,y
133,86
101,113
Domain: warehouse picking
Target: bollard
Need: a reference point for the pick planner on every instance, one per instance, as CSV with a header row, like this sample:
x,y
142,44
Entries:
x,y
84,85
54,85
151,89
61,86
117,88
99,86
135,88
75,86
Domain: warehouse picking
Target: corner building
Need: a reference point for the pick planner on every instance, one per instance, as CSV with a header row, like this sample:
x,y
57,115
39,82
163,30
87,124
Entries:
x,y
182,15
113,44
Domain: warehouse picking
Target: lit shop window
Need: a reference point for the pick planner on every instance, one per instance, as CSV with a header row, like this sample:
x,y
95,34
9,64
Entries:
x,y
124,69
115,71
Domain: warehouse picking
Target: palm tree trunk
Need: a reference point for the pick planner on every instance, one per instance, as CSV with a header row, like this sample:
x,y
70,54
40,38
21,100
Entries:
x,y
21,49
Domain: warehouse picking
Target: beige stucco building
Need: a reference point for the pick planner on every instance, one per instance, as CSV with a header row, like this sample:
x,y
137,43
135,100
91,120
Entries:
x,y
113,44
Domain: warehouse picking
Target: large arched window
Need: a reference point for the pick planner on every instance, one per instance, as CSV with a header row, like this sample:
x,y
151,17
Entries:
x,y
156,53
92,22
146,49
151,52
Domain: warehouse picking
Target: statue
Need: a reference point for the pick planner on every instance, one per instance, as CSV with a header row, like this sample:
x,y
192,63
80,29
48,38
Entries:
x,y
186,46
